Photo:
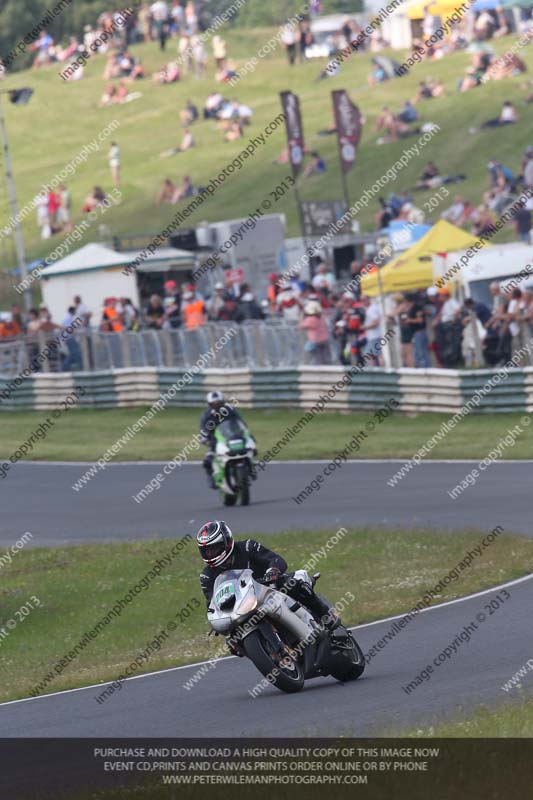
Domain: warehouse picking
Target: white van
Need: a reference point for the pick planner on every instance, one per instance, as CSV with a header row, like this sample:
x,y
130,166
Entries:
x,y
498,262
324,29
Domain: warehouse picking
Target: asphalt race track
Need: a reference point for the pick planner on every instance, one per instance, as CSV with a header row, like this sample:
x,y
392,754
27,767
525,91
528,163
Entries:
x,y
220,705
41,500
38,498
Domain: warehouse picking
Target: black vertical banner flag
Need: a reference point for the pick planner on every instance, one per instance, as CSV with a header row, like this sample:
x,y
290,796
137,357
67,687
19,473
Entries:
x,y
348,124
295,135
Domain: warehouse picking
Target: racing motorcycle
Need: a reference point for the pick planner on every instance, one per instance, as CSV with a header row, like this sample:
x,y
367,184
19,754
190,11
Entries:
x,y
282,638
233,465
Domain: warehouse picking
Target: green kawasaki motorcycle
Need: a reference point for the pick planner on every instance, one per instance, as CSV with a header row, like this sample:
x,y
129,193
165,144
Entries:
x,y
233,465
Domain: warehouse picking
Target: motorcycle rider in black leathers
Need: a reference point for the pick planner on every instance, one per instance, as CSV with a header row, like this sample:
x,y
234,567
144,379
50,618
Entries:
x,y
221,552
217,412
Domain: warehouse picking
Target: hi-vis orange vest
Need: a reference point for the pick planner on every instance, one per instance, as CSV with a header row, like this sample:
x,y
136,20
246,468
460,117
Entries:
x,y
194,314
272,294
112,315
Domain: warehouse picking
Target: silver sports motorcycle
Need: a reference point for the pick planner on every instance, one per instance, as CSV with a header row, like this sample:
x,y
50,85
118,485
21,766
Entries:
x,y
284,641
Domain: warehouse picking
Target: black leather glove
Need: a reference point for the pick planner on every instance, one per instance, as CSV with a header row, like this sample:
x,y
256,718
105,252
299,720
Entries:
x,y
271,575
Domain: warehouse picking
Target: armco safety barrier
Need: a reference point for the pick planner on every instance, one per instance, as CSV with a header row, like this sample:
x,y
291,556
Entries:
x,y
415,390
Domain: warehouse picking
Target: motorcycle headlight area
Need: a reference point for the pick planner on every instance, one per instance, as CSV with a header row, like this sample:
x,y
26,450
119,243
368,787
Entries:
x,y
248,604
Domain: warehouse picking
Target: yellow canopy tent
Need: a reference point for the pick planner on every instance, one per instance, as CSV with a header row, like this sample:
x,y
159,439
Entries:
x,y
437,8
413,269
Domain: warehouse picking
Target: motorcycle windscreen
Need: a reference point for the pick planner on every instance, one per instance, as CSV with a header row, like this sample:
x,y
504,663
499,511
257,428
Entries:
x,y
226,586
234,433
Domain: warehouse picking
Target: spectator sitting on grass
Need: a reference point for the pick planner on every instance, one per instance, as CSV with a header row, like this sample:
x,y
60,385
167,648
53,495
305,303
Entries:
x,y
65,53
466,216
166,193
212,105
110,96
129,66
95,199
500,176
169,74
185,189
316,166
428,177
408,113
234,132
508,116
505,68
428,89
189,114
484,220
226,73
112,68
412,214
186,143
475,73
392,126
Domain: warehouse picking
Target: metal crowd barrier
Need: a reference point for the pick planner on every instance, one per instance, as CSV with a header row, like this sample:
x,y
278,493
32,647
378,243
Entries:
x,y
254,345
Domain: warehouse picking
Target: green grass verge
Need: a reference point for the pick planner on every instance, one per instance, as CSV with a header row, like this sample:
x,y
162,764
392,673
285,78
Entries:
x,y
514,719
388,572
63,117
86,435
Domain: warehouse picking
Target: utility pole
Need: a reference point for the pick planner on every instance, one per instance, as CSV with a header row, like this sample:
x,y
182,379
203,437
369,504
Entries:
x,y
19,97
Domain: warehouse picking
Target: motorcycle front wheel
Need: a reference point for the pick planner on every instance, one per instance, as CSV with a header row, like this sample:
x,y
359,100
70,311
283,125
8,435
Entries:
x,y
243,482
287,678
348,662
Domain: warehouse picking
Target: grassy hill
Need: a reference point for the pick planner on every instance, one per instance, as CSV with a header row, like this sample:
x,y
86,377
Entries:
x,y
62,117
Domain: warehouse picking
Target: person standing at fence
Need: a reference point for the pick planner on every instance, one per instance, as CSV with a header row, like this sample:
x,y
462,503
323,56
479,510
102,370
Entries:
x,y
216,302
193,310
50,330
155,313
172,303
72,353
9,327
516,318
373,329
288,303
316,329
111,320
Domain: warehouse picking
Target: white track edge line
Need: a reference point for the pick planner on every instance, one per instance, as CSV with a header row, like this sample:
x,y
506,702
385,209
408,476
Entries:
x,y
228,658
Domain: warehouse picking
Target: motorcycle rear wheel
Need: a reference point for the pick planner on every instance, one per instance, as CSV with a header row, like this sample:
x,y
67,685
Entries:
x,y
258,652
230,499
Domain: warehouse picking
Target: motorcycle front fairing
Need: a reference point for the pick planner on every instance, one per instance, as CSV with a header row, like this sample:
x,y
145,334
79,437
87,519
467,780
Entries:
x,y
235,596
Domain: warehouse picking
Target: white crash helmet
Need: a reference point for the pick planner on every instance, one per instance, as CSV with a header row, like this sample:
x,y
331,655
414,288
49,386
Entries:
x,y
215,398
